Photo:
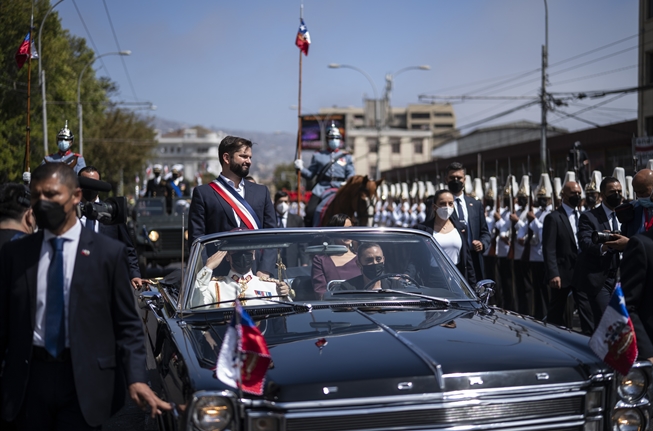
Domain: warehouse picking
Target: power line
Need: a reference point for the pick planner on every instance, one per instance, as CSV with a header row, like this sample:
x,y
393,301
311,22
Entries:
x,y
595,75
88,33
124,65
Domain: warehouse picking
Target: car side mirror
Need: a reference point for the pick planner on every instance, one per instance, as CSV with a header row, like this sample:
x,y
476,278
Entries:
x,y
149,298
485,289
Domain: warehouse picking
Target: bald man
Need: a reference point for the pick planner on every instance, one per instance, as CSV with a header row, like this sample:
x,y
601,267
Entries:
x,y
560,250
636,216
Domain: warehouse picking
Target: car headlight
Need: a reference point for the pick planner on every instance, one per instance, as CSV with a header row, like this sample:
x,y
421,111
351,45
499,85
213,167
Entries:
x,y
627,420
212,413
633,386
153,236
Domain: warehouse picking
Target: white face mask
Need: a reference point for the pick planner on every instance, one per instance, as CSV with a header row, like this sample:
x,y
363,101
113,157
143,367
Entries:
x,y
334,144
63,145
444,212
282,207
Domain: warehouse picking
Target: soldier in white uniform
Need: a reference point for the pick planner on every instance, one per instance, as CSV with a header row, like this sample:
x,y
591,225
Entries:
x,y
240,282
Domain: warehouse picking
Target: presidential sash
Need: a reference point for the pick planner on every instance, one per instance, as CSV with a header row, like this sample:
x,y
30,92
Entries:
x,y
242,208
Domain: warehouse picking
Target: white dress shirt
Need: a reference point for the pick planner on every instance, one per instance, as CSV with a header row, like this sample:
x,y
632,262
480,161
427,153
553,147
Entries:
x,y
241,191
573,219
609,213
69,255
463,204
284,219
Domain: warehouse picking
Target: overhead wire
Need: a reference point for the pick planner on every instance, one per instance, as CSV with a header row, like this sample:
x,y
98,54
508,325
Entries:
x,y
115,37
88,33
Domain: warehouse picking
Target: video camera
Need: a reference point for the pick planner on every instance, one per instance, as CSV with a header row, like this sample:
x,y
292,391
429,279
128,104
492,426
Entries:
x,y
601,237
111,211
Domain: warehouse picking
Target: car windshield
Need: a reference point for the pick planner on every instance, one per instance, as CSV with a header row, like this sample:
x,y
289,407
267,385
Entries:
x,y
308,265
150,207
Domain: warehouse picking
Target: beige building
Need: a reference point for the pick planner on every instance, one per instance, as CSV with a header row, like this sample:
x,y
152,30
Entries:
x,y
404,138
645,102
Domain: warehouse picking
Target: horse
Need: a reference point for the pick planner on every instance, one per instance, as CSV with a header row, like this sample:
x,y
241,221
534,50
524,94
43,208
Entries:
x,y
356,199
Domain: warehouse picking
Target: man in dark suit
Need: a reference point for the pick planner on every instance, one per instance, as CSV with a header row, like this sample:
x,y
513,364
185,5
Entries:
x,y
637,216
291,256
469,211
595,274
157,186
560,251
70,336
230,202
116,231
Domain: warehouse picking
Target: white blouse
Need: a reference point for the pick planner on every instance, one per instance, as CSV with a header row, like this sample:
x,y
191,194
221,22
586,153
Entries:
x,y
451,243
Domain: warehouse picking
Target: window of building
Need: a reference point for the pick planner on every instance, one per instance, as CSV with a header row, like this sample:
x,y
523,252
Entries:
x,y
395,144
418,146
419,126
648,126
372,172
179,149
443,126
202,150
420,115
443,114
372,145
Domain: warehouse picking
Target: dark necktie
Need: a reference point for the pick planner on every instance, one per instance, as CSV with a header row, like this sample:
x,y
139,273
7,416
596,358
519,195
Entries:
x,y
90,224
55,328
459,209
576,218
615,227
279,221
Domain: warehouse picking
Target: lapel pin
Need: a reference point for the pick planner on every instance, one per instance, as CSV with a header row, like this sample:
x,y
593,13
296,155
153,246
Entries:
x,y
85,252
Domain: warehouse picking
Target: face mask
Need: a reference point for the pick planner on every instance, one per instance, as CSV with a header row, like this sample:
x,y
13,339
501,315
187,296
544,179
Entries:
x,y
242,262
645,202
49,215
444,212
282,207
542,202
506,202
574,201
63,145
590,200
422,208
522,201
157,174
614,200
455,186
374,270
334,144
89,195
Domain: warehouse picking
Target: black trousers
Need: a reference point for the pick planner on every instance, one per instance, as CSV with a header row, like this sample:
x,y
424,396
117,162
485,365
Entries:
x,y
504,266
524,287
51,402
541,296
592,305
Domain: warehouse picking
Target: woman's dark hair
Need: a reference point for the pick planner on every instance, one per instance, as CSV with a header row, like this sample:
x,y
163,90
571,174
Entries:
x,y
340,219
439,193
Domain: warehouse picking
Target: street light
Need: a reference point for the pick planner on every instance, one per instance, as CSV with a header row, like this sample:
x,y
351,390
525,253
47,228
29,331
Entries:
x,y
79,101
42,82
389,79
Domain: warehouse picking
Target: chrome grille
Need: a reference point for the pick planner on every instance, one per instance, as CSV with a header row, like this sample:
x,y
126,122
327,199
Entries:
x,y
482,413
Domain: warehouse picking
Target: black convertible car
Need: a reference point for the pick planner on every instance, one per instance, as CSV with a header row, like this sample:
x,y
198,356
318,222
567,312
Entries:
x,y
405,344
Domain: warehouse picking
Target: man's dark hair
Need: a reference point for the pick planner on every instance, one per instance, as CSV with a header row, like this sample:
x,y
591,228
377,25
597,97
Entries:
x,y
65,173
365,246
230,145
89,170
455,166
339,220
605,182
280,194
14,201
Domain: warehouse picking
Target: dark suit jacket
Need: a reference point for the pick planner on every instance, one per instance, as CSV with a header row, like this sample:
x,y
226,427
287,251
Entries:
x,y
559,247
119,232
294,255
105,331
209,213
478,228
358,283
465,263
636,283
632,218
592,269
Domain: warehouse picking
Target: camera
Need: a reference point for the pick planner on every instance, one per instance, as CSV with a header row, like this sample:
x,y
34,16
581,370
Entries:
x,y
110,211
601,237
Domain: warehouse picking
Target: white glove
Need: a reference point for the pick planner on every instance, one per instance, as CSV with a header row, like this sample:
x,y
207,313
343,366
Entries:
x,y
299,164
27,177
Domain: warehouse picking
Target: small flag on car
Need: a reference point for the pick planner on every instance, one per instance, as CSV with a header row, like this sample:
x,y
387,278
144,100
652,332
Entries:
x,y
614,339
244,357
303,39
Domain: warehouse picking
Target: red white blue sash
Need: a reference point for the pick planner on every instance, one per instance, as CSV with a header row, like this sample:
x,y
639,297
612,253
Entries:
x,y
242,208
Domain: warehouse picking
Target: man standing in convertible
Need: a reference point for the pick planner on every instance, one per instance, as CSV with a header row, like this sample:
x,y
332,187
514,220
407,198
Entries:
x,y
330,167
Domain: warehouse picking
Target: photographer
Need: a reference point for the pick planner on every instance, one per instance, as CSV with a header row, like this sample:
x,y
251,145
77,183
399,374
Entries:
x,y
116,231
600,242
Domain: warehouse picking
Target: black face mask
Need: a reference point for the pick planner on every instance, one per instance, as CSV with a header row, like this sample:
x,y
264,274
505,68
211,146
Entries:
x,y
506,202
590,200
89,195
574,201
522,201
242,262
542,202
614,200
157,174
49,215
374,270
455,186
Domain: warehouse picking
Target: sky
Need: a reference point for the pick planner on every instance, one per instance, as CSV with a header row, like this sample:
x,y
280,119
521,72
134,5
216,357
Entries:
x,y
234,65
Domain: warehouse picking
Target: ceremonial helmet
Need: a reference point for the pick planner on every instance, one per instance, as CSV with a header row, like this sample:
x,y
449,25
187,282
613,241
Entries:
x,y
65,138
333,132
595,181
524,190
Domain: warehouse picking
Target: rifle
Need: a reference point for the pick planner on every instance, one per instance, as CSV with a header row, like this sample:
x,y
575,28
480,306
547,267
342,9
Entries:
x,y
513,231
492,252
555,202
526,254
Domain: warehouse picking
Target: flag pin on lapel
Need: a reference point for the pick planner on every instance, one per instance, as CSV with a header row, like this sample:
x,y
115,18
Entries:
x,y
85,252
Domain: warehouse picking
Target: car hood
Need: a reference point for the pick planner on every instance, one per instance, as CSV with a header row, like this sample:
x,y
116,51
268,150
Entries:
x,y
330,354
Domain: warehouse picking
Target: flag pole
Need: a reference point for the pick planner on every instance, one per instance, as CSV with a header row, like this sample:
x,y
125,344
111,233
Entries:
x,y
29,93
299,123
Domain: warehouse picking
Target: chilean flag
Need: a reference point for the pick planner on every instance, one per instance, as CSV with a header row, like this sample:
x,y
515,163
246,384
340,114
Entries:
x,y
243,347
26,48
303,39
614,339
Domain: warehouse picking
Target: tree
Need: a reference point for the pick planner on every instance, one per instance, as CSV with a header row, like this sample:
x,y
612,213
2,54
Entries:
x,y
285,177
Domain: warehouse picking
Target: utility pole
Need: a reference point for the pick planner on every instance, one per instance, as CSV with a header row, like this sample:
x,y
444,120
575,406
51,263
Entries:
x,y
543,98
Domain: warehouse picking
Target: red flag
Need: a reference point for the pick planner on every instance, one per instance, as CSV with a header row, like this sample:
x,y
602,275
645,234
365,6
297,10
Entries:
x,y
23,51
303,39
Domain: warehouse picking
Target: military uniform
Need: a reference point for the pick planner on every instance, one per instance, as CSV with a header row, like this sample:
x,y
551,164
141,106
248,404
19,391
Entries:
x,y
341,170
157,189
74,160
209,289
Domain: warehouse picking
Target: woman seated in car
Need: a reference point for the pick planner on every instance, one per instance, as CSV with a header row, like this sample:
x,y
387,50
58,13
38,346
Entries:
x,y
371,262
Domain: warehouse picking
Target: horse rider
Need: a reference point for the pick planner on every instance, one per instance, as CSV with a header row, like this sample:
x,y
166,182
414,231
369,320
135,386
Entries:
x,y
64,155
330,167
